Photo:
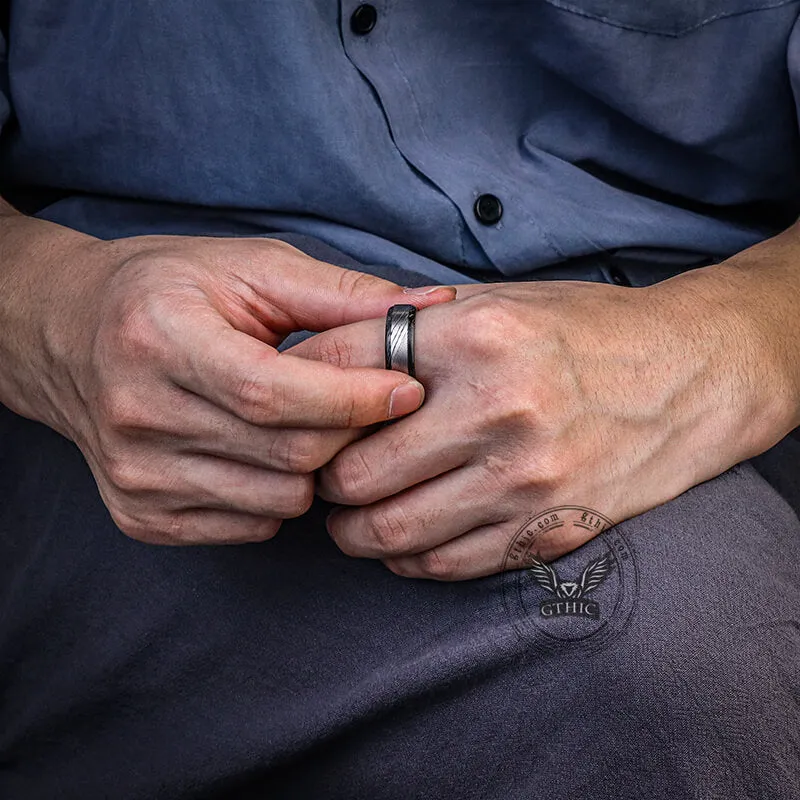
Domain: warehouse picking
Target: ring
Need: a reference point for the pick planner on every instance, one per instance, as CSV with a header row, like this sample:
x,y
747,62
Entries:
x,y
400,338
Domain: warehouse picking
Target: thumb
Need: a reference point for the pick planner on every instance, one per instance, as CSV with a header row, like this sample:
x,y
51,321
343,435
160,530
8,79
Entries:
x,y
317,296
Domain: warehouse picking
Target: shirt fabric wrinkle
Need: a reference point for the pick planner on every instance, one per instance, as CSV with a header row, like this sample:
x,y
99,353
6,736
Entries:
x,y
379,144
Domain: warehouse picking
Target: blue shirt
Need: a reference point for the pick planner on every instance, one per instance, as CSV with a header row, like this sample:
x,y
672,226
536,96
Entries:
x,y
597,124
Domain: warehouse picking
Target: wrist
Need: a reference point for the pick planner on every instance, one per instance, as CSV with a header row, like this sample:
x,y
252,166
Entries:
x,y
749,384
41,295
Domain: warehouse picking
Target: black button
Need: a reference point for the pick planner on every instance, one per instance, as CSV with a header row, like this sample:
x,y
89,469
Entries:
x,y
618,276
363,19
488,209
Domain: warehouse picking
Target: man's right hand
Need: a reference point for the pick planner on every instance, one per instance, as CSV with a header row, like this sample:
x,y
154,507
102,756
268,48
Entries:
x,y
157,357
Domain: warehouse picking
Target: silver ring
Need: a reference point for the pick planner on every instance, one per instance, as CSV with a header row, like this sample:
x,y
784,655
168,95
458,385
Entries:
x,y
400,338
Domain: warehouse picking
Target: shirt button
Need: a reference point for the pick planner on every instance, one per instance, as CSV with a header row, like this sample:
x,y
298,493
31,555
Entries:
x,y
488,209
363,19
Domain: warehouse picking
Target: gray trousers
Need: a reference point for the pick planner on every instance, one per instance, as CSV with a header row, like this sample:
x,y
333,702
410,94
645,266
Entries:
x,y
288,670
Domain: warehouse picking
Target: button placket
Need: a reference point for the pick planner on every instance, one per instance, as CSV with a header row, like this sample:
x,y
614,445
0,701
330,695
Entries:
x,y
489,218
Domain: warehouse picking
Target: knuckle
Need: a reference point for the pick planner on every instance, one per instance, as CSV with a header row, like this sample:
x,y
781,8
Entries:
x,y
331,348
296,500
353,283
546,472
343,410
136,527
302,452
340,352
258,402
488,326
122,411
350,477
280,250
125,475
137,333
390,530
437,567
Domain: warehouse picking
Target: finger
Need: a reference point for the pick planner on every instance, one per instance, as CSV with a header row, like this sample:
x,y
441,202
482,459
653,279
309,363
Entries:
x,y
362,344
358,345
482,551
202,526
316,295
393,459
192,425
299,451
414,521
263,387
210,482
475,554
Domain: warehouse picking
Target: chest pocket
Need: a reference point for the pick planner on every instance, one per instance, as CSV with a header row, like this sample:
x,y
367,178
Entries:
x,y
663,17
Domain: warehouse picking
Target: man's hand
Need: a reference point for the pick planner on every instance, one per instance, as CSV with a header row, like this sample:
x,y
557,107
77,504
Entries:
x,y
541,395
157,357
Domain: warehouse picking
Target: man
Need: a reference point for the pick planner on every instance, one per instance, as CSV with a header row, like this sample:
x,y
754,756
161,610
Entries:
x,y
159,157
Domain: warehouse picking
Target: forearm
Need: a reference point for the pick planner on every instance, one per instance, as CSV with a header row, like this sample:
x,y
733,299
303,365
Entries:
x,y
30,246
752,301
39,262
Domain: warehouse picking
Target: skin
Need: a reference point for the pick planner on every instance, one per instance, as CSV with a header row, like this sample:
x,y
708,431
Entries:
x,y
565,393
157,357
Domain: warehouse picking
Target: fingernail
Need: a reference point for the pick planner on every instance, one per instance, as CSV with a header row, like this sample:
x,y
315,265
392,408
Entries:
x,y
406,398
422,289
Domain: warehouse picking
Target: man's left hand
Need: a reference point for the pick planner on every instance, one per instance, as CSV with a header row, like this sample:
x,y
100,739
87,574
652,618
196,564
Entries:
x,y
539,395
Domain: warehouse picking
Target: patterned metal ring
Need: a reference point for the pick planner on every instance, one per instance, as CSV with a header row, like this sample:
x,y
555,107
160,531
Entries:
x,y
400,338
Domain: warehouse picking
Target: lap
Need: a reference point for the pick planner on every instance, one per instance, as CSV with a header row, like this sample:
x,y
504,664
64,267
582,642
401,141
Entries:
x,y
137,671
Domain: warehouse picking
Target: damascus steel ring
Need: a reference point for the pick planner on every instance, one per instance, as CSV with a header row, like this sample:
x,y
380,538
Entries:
x,y
400,338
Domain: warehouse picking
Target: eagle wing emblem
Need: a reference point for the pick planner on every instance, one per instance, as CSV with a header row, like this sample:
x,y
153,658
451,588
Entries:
x,y
544,575
597,571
